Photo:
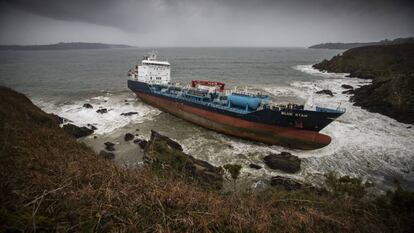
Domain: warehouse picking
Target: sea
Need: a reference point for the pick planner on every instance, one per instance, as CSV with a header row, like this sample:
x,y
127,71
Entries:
x,y
367,145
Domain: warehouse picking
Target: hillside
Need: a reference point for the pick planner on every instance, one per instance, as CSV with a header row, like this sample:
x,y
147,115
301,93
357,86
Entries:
x,y
64,46
50,182
359,44
391,68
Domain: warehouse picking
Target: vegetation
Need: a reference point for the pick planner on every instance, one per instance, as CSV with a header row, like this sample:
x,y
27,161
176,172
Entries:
x,y
391,68
358,44
233,169
51,182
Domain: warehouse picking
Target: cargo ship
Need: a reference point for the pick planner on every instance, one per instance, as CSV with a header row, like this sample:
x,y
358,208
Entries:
x,y
243,114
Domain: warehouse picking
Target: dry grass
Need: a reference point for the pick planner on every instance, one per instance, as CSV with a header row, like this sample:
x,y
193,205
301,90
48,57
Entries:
x,y
50,182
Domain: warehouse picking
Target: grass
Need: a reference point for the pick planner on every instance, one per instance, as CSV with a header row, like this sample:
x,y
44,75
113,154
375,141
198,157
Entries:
x,y
51,182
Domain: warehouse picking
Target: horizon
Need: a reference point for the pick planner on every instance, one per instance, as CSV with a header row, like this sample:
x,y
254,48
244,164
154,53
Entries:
x,y
205,46
185,23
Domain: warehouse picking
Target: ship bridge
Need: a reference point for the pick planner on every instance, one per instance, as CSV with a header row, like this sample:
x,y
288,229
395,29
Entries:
x,y
151,71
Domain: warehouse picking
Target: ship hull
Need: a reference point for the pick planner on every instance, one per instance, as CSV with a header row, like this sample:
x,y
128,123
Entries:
x,y
234,126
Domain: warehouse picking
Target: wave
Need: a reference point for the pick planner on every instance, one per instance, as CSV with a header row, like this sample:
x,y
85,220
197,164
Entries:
x,y
106,123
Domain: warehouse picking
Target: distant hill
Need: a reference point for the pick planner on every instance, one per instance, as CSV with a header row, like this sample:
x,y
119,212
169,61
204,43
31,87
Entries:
x,y
357,44
64,46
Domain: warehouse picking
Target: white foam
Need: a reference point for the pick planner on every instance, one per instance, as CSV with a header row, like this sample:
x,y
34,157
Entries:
x,y
364,144
107,122
310,70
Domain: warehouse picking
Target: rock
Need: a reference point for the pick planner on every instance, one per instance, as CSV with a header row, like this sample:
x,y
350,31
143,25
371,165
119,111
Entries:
x,y
348,92
128,113
392,72
286,183
87,105
162,153
171,143
233,169
409,127
77,131
106,155
141,142
326,92
284,161
109,146
346,86
92,127
95,137
128,137
102,110
255,166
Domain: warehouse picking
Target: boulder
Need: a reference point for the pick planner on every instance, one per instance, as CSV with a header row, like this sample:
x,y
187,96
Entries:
x,y
106,155
128,137
76,131
87,105
287,183
284,161
128,113
233,169
325,92
351,91
346,86
255,166
162,153
92,127
109,146
102,110
141,143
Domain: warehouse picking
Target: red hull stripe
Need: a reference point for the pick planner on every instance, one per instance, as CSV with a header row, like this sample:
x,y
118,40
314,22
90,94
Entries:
x,y
275,135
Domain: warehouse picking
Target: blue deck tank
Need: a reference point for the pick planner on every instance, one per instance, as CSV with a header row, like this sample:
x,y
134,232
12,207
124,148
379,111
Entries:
x,y
242,101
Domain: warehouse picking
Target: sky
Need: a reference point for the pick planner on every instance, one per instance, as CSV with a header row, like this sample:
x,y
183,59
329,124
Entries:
x,y
183,23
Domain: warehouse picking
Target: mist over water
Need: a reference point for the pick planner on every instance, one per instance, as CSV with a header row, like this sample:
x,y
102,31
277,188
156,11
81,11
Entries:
x,y
368,145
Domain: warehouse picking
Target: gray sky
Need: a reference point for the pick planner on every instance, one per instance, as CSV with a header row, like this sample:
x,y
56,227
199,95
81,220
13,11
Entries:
x,y
204,22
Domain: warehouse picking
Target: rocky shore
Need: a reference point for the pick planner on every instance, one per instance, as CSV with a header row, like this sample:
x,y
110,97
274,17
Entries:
x,y
49,181
391,69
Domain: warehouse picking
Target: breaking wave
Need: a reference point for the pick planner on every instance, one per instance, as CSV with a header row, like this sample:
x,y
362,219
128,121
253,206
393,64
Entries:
x,y
116,104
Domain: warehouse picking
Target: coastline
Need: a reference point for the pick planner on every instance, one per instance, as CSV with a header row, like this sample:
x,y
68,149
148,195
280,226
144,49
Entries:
x,y
390,67
71,186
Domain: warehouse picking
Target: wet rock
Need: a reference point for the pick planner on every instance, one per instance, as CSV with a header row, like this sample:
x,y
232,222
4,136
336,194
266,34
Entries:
x,y
287,183
59,120
87,105
348,91
106,155
141,143
255,166
102,110
109,146
128,137
92,127
77,131
325,92
233,169
284,161
128,113
346,86
162,153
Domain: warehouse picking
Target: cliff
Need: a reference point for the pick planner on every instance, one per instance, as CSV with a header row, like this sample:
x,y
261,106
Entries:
x,y
64,46
51,182
359,44
391,68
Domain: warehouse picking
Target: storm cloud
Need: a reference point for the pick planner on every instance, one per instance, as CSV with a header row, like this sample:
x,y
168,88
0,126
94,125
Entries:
x,y
204,23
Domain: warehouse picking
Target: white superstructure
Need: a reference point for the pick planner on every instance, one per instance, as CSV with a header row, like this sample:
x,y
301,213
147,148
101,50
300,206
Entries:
x,y
151,71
